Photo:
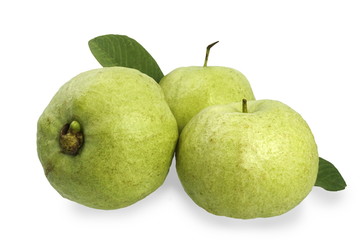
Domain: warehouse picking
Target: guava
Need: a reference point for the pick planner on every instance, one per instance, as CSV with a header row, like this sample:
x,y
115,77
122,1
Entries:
x,y
107,138
188,90
247,160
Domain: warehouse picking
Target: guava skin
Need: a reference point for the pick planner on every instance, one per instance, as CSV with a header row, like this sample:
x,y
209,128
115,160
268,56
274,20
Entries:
x,y
247,165
188,90
129,137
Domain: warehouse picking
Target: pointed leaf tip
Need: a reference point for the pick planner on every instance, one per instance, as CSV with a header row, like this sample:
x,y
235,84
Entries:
x,y
329,178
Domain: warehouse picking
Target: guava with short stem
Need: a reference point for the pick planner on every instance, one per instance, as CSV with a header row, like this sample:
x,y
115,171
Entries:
x,y
248,159
188,90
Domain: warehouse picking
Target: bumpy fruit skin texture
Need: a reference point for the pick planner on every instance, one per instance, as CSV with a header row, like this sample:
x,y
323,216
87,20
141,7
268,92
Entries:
x,y
188,90
129,138
247,165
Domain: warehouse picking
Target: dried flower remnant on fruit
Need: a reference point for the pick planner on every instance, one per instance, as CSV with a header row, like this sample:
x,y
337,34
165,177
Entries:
x,y
71,138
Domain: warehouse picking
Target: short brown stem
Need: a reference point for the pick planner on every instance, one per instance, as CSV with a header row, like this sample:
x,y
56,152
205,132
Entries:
x,y
244,106
208,52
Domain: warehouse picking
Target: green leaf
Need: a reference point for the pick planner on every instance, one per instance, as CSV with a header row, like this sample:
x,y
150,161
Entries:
x,y
120,50
329,178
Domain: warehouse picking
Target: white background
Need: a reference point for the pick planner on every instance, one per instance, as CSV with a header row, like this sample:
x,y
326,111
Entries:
x,y
303,53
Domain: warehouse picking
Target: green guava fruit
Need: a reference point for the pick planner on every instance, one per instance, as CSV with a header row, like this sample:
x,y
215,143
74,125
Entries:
x,y
247,160
188,90
107,138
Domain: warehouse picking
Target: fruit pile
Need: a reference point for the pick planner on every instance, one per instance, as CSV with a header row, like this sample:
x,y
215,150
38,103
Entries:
x,y
108,137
